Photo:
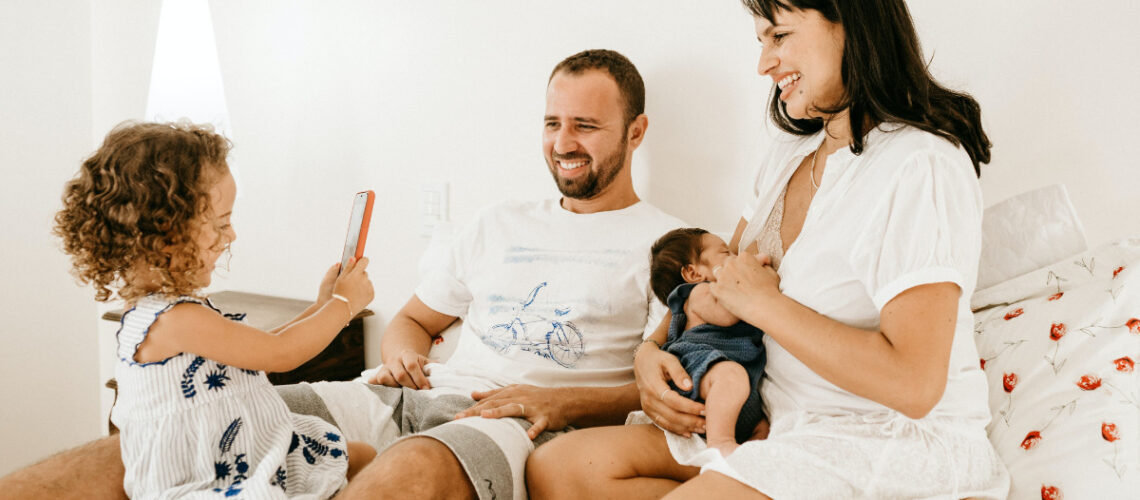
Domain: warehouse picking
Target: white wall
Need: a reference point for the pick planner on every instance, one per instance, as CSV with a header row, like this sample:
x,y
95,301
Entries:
x,y
1058,84
49,394
327,98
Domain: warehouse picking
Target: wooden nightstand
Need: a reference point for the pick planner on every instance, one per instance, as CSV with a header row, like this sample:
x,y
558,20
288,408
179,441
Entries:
x,y
343,359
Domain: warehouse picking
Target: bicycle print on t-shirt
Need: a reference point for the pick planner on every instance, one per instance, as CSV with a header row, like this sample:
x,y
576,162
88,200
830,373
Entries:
x,y
534,331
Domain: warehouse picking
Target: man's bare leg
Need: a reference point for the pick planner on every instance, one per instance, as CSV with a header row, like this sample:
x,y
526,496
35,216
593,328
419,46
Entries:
x,y
91,471
417,467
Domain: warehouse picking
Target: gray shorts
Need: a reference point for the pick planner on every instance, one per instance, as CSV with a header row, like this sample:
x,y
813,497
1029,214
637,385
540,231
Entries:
x,y
493,452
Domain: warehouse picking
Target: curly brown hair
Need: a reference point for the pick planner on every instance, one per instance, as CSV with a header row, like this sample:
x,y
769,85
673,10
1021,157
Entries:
x,y
131,216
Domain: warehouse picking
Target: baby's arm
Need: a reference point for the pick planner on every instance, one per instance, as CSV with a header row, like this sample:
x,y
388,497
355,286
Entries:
x,y
197,329
702,307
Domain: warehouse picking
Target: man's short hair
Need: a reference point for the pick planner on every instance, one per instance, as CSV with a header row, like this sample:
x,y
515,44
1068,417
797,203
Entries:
x,y
628,79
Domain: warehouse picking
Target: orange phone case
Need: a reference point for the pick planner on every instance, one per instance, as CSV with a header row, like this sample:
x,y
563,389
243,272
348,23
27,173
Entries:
x,y
364,224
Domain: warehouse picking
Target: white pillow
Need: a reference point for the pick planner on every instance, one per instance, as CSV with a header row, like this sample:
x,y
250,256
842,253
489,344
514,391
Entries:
x,y
1063,383
1026,232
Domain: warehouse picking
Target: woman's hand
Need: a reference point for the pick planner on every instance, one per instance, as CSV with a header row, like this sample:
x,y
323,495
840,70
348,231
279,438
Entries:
x,y
654,369
745,281
404,370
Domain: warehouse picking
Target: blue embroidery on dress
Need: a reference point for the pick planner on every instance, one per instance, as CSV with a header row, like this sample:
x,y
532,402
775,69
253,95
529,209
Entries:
x,y
221,470
234,316
554,339
188,390
315,445
216,379
279,478
222,467
229,435
293,444
314,448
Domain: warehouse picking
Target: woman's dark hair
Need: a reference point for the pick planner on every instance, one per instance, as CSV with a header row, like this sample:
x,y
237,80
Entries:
x,y
885,78
669,255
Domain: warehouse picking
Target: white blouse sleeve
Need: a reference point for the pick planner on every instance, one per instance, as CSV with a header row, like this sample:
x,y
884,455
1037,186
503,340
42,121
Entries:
x,y
925,229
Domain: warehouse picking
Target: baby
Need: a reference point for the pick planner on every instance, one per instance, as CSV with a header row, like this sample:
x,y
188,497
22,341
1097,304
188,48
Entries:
x,y
723,355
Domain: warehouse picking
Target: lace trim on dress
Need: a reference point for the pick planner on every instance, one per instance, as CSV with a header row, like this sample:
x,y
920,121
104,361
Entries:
x,y
769,241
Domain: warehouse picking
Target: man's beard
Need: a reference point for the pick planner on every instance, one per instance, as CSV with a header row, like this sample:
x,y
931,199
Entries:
x,y
589,185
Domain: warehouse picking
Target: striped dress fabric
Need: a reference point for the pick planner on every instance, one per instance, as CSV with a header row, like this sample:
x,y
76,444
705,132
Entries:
x,y
194,428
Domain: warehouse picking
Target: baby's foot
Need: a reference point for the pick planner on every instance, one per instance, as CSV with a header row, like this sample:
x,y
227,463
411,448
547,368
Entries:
x,y
725,445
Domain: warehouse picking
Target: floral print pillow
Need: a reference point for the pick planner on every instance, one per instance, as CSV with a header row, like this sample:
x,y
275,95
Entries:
x,y
1061,366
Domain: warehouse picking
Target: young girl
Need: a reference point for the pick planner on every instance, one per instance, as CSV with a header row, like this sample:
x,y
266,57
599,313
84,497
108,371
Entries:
x,y
149,214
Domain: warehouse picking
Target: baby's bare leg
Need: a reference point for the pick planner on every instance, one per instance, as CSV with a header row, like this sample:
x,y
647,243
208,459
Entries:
x,y
724,388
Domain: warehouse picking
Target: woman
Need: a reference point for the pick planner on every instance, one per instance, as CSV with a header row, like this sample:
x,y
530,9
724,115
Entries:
x,y
870,210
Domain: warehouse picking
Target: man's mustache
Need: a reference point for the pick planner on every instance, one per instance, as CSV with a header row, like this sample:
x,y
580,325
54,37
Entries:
x,y
579,156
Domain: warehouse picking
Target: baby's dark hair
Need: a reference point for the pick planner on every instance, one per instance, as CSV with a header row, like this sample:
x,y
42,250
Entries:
x,y
669,255
137,205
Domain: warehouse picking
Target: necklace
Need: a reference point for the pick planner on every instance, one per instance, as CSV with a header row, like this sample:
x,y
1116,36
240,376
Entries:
x,y
814,185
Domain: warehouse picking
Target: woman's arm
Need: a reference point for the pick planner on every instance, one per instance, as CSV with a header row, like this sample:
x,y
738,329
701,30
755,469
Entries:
x,y
903,366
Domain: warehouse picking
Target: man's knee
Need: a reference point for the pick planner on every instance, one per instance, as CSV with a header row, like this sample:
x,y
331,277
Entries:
x,y
93,470
408,459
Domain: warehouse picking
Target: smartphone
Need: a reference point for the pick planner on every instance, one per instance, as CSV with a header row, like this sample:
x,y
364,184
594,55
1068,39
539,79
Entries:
x,y
357,227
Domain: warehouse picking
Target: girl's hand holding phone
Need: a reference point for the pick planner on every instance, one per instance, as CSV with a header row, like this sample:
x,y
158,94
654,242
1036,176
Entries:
x,y
353,284
324,294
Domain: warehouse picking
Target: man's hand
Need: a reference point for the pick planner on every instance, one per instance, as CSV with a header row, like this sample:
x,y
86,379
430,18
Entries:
x,y
406,370
541,406
654,369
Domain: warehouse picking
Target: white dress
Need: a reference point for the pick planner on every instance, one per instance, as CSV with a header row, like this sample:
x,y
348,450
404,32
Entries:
x,y
905,212
194,428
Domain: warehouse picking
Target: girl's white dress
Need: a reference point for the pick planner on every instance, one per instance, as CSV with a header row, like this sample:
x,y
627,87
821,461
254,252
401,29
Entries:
x,y
195,428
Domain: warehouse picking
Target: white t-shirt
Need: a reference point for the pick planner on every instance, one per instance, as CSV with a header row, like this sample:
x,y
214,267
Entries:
x,y
548,297
905,212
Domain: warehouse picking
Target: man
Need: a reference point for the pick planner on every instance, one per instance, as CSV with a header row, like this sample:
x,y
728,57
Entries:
x,y
554,295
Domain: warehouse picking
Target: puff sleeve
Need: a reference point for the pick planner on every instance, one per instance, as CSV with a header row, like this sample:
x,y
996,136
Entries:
x,y
926,227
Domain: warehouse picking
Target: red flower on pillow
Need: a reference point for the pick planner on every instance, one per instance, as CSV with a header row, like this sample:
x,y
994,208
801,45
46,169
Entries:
x,y
1031,439
1089,382
1009,381
1117,271
1051,493
1057,331
1108,431
983,360
1133,325
1056,296
438,340
1124,364
1014,313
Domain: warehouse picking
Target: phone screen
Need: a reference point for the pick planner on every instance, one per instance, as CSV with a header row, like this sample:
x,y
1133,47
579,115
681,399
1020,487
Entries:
x,y
353,246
